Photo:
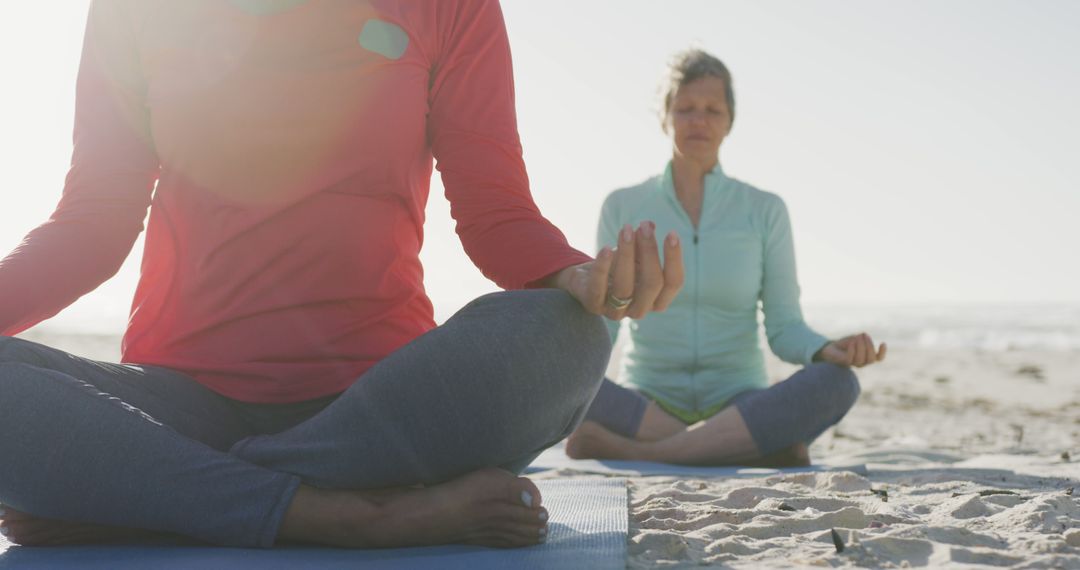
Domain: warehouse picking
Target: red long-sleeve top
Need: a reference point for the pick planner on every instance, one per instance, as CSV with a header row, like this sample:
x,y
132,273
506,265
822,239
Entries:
x,y
292,154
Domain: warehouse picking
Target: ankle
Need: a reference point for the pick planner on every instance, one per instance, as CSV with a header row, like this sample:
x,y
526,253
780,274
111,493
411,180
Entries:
x,y
318,515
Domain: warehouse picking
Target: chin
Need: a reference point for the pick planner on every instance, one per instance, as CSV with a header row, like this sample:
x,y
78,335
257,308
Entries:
x,y
699,149
699,156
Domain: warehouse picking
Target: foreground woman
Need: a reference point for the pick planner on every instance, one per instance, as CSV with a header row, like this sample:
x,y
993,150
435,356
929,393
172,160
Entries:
x,y
283,379
696,388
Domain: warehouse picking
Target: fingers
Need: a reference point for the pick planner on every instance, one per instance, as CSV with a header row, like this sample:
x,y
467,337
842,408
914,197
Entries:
x,y
596,285
673,272
871,352
873,355
634,272
856,350
622,274
839,353
863,351
650,277
859,348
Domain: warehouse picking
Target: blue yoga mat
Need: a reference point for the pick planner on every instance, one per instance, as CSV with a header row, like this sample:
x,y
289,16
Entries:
x,y
556,458
587,530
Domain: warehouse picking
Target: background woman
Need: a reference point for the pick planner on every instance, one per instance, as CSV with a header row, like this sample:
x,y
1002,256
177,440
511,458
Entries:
x,y
696,389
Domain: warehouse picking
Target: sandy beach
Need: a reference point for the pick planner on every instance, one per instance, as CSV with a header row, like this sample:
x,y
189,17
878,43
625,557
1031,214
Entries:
x,y
973,460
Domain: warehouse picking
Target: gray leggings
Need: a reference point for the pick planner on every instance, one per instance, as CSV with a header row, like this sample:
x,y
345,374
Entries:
x,y
796,410
144,447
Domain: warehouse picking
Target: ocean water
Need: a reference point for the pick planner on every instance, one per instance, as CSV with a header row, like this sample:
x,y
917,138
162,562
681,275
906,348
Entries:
x,y
985,327
1054,327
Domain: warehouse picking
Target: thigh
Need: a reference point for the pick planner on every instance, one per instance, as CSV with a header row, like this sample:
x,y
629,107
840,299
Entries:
x,y
800,408
507,376
166,396
821,386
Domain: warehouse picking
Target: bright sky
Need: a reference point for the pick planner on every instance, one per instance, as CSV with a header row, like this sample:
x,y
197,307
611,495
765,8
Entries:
x,y
928,151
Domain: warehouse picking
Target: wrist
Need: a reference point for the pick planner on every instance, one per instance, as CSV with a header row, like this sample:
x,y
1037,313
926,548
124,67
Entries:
x,y
819,355
556,280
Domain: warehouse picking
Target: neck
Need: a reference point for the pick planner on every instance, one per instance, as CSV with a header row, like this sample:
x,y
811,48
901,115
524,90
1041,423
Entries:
x,y
688,177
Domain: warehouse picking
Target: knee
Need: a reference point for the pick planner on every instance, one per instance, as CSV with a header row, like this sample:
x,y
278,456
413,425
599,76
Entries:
x,y
553,323
569,319
583,341
840,383
18,384
560,351
9,349
17,350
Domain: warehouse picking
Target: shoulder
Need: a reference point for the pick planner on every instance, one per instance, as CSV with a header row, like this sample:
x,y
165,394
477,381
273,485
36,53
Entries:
x,y
755,196
766,210
762,203
467,16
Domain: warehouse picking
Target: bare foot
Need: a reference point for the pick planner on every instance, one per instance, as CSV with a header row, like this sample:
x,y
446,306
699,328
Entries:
x,y
27,530
593,441
490,507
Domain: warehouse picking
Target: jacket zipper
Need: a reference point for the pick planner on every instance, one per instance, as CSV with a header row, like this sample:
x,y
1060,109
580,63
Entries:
x,y
696,335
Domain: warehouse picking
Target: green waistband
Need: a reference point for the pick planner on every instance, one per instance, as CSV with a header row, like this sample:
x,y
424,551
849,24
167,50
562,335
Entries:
x,y
691,417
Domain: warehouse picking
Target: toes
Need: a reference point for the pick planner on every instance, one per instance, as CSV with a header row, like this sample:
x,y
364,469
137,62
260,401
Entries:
x,y
496,516
524,492
535,518
14,531
516,490
527,534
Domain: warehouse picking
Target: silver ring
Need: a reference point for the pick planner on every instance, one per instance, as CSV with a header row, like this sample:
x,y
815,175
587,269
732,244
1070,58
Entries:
x,y
618,303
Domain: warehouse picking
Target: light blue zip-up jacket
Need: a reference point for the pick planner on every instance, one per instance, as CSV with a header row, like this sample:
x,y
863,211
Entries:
x,y
704,349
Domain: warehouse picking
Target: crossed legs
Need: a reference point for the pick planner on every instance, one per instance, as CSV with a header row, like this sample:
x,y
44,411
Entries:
x,y
769,427
418,451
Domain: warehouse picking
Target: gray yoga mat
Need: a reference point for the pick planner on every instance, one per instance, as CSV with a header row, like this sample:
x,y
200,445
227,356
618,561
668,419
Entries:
x,y
556,458
587,530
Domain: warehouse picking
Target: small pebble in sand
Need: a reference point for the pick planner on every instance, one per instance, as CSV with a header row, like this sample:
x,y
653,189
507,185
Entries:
x,y
1019,431
837,541
988,492
1031,371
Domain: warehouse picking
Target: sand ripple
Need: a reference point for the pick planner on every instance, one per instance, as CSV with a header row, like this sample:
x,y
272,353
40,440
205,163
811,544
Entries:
x,y
942,518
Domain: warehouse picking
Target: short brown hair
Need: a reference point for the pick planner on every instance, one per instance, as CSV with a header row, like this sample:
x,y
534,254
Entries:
x,y
689,66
